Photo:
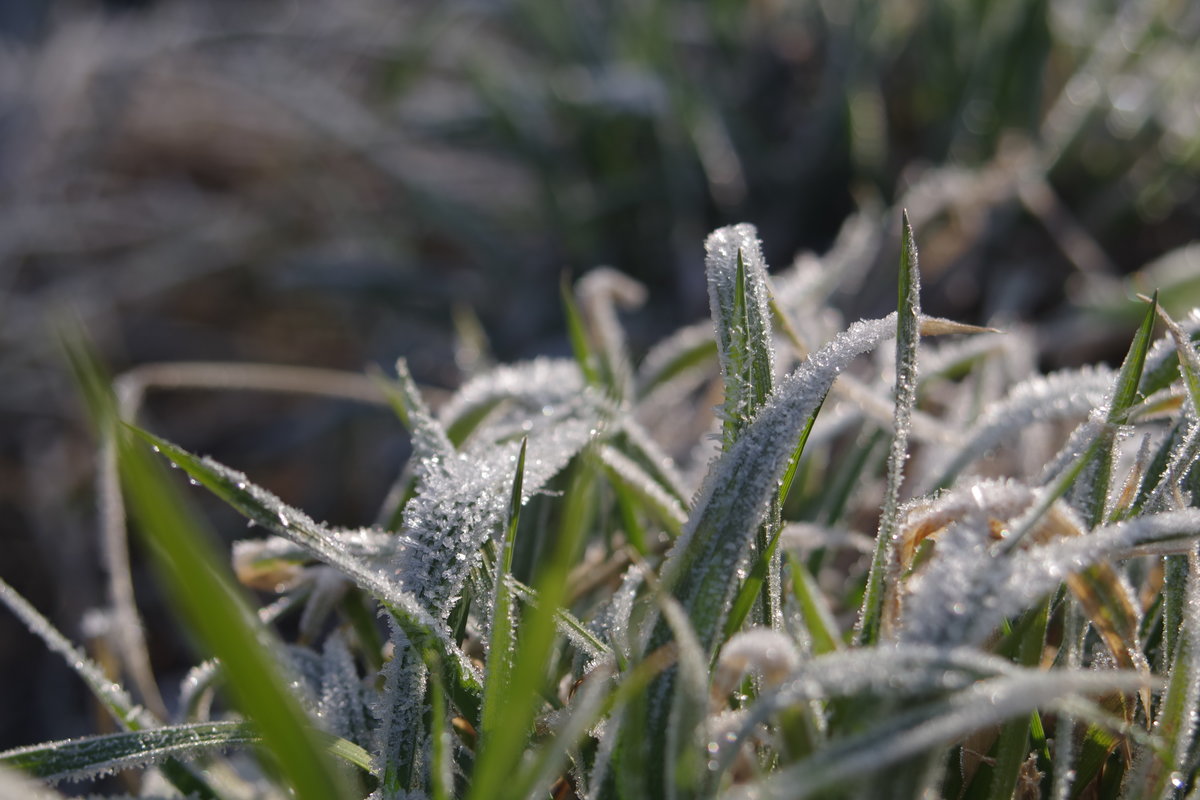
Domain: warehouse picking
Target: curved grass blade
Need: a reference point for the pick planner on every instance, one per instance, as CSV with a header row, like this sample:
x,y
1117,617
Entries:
x,y
93,756
908,336
600,291
1096,457
112,696
1059,395
627,474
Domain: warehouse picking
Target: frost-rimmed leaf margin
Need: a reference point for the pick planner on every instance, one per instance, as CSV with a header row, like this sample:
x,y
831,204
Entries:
x,y
93,756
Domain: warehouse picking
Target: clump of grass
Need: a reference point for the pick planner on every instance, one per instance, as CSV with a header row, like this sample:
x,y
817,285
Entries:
x,y
856,583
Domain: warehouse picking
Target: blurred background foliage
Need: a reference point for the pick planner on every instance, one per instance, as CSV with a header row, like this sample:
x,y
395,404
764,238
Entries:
x,y
327,184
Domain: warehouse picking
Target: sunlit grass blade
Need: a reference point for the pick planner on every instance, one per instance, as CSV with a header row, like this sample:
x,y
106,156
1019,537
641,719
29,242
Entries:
x,y
701,570
497,699
568,625
1095,460
210,603
600,292
430,442
1189,360
93,756
112,696
908,335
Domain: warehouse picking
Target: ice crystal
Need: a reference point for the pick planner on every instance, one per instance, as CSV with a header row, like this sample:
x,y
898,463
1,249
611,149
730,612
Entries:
x,y
463,505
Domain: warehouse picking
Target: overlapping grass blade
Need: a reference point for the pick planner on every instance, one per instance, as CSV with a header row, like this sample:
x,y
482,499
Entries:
x,y
525,674
270,512
585,357
210,603
701,571
936,724
690,350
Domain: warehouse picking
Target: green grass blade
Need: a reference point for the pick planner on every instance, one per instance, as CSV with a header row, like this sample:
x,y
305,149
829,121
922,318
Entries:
x,y
441,773
907,340
534,647
690,350
205,595
577,334
818,618
756,582
497,698
92,756
1097,454
1125,393
112,696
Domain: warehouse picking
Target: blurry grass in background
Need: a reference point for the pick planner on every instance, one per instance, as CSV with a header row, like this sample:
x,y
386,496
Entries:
x,y
321,183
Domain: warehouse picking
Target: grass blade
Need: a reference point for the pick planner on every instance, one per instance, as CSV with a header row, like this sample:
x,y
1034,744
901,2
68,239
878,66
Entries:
x,y
93,756
907,339
497,699
206,596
